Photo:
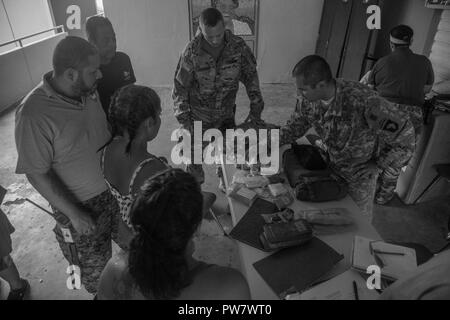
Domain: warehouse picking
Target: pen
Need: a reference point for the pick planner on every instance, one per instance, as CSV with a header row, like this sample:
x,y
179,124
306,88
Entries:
x,y
355,290
391,253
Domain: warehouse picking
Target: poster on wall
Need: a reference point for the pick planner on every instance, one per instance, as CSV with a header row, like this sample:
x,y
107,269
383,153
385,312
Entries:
x,y
241,17
437,4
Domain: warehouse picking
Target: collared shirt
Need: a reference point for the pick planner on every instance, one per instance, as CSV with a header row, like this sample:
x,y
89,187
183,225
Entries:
x,y
118,73
205,89
401,76
352,127
57,133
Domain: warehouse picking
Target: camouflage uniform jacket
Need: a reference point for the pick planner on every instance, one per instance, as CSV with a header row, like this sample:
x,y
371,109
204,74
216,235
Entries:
x,y
356,128
205,90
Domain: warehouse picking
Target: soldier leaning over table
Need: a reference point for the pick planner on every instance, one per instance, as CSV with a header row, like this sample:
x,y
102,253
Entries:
x,y
363,134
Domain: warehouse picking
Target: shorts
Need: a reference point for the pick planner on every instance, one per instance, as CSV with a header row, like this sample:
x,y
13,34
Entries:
x,y
93,251
6,229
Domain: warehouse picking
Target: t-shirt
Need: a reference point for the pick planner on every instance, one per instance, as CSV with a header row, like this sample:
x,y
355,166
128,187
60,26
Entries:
x,y
118,73
401,77
431,281
57,133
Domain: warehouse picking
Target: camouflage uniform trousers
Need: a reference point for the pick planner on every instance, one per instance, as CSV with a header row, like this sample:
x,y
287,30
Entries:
x,y
197,169
6,229
388,177
94,251
415,115
360,189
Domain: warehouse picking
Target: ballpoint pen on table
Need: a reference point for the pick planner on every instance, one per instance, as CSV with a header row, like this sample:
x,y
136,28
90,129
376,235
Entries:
x,y
389,253
355,290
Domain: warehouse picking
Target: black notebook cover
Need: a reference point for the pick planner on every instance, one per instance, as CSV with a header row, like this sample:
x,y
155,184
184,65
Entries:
x,y
251,225
296,269
2,194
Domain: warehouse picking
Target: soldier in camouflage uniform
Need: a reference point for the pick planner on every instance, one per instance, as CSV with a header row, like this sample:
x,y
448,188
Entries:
x,y
362,133
207,80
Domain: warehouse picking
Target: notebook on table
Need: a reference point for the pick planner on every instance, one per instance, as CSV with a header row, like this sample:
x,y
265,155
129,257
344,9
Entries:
x,y
340,287
2,194
298,268
394,261
250,226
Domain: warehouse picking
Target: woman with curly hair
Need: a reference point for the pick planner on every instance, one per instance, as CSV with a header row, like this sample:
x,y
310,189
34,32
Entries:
x,y
134,115
159,265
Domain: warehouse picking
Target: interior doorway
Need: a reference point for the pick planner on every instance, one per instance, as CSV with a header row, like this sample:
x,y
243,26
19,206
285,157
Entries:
x,y
344,39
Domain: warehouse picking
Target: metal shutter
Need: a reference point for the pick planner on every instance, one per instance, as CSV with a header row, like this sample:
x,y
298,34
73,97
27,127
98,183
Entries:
x,y
440,51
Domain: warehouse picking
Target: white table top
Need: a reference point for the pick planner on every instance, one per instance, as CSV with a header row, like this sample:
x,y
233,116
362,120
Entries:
x,y
341,242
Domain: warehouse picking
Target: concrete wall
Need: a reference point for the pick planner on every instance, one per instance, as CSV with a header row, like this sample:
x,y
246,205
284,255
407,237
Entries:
x,y
154,33
28,17
288,30
5,31
22,69
15,78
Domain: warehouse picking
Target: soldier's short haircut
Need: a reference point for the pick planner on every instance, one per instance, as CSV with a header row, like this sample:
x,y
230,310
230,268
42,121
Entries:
x,y
313,69
72,52
211,17
403,33
93,24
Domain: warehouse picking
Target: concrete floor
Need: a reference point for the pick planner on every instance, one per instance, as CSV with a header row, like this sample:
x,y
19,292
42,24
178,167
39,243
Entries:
x,y
39,259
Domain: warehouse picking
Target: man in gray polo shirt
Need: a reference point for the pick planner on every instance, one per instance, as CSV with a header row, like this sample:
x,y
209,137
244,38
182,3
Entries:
x,y
60,130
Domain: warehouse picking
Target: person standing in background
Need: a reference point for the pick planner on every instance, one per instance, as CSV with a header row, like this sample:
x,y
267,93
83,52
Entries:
x,y
403,77
115,66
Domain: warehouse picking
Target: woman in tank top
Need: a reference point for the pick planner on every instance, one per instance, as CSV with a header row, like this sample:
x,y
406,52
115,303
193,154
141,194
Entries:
x,y
159,264
134,115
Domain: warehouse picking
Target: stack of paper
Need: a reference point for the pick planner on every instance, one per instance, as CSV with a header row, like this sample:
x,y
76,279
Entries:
x,y
339,288
394,261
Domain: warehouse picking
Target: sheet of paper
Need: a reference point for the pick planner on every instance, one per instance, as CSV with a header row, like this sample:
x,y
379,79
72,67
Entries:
x,y
395,266
246,193
339,288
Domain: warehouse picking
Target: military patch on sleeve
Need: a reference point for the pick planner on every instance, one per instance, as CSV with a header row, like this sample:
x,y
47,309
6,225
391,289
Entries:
x,y
381,117
391,126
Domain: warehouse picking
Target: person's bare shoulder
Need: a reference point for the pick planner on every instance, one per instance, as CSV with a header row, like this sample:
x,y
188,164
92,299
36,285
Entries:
x,y
227,284
112,278
148,170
